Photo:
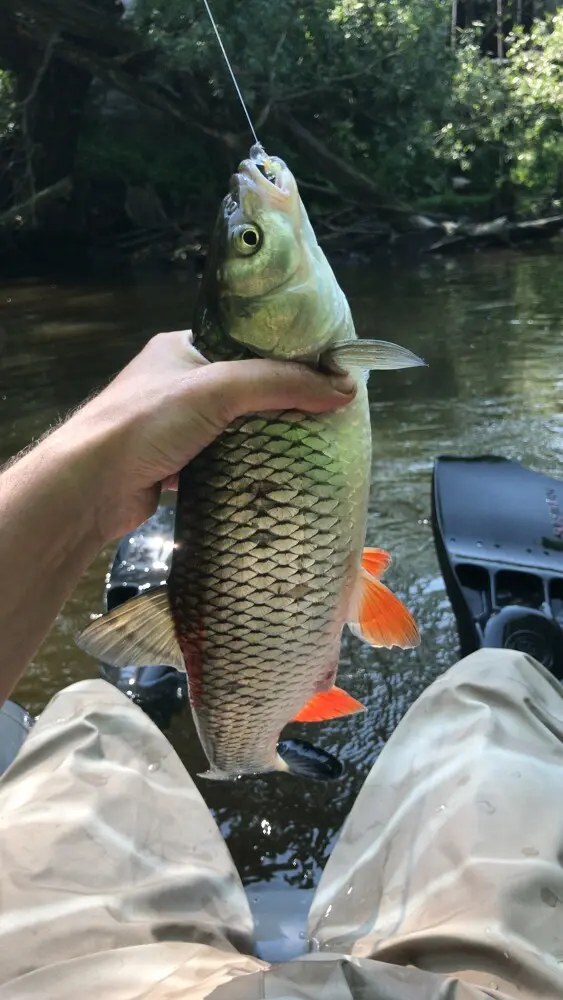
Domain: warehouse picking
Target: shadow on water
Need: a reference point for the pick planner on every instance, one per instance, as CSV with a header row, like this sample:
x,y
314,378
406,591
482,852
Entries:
x,y
489,327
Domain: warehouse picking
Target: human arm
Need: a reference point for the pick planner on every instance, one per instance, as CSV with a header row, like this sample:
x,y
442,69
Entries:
x,y
100,474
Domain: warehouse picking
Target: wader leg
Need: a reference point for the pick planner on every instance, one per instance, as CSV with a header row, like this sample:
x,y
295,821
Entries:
x,y
451,859
106,843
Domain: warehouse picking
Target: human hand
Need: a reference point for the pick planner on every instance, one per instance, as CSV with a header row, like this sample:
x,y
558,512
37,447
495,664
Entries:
x,y
166,406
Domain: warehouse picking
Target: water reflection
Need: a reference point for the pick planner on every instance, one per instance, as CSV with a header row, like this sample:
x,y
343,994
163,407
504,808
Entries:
x,y
490,328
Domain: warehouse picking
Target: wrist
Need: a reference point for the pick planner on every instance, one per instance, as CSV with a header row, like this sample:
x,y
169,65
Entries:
x,y
97,449
76,460
51,533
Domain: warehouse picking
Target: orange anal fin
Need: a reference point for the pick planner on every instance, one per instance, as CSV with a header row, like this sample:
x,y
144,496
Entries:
x,y
375,561
329,705
380,618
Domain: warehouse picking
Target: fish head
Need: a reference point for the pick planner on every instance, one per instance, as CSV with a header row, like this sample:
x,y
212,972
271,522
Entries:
x,y
277,294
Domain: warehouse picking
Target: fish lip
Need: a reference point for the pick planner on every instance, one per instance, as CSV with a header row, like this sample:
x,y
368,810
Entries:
x,y
276,191
249,175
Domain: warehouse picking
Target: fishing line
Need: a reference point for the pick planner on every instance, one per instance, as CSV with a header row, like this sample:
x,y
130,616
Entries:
x,y
231,71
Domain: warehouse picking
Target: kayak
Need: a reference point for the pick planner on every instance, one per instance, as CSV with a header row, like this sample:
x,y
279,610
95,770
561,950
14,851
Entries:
x,y
498,533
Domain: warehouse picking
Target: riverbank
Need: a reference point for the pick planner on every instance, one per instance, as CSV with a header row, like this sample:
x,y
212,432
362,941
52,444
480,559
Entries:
x,y
67,242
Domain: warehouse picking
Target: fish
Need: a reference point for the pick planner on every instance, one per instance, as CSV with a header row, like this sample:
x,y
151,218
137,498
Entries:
x,y
269,561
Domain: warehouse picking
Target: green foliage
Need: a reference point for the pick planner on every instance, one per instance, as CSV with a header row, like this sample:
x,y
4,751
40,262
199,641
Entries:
x,y
147,150
452,203
6,104
375,81
506,121
367,78
376,86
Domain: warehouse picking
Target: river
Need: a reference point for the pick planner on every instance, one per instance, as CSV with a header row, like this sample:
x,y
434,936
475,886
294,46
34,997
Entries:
x,y
489,327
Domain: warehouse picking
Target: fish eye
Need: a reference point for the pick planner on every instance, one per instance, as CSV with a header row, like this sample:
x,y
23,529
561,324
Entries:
x,y
247,239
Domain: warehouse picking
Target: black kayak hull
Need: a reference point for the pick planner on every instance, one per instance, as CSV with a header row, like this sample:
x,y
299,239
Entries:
x,y
498,532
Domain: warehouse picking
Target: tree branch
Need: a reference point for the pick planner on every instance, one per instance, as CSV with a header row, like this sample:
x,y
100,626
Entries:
x,y
24,121
343,170
38,201
152,95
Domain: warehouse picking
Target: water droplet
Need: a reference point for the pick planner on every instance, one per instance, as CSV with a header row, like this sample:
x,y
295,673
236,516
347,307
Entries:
x,y
302,935
493,985
506,955
440,809
328,910
154,767
349,890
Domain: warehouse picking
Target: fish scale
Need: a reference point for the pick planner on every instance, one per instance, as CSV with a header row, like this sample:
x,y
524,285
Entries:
x,y
263,650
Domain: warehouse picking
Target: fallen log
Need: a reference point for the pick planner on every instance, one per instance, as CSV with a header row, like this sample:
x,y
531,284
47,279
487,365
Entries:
x,y
498,232
26,210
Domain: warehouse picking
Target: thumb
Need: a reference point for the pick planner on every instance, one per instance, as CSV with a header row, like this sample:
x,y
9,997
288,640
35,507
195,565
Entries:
x,y
239,387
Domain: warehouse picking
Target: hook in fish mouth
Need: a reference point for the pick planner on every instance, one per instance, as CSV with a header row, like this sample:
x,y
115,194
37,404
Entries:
x,y
264,177
233,199
268,167
258,161
267,172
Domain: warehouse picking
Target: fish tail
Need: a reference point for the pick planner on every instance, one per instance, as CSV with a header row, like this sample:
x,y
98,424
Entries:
x,y
303,760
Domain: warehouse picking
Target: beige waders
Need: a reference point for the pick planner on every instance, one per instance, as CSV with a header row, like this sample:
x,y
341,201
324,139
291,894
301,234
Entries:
x,y
446,883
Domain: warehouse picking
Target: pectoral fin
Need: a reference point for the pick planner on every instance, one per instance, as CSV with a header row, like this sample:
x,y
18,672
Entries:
x,y
380,618
371,355
139,632
329,705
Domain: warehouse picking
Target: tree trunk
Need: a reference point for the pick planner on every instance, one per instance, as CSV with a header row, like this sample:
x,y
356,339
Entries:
x,y
500,30
50,96
53,116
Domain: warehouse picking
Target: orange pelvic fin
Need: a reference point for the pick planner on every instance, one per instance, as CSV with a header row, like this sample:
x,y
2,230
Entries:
x,y
380,618
375,562
329,705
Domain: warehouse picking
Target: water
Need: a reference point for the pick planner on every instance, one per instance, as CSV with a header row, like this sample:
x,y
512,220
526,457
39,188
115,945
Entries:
x,y
490,328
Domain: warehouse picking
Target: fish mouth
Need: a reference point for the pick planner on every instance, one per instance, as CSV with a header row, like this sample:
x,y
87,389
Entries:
x,y
264,176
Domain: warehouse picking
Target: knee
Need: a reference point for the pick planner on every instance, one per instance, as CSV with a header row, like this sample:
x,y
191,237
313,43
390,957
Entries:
x,y
83,697
500,670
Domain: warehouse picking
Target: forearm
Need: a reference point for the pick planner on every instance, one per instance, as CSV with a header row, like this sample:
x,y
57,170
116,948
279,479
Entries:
x,y
48,537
